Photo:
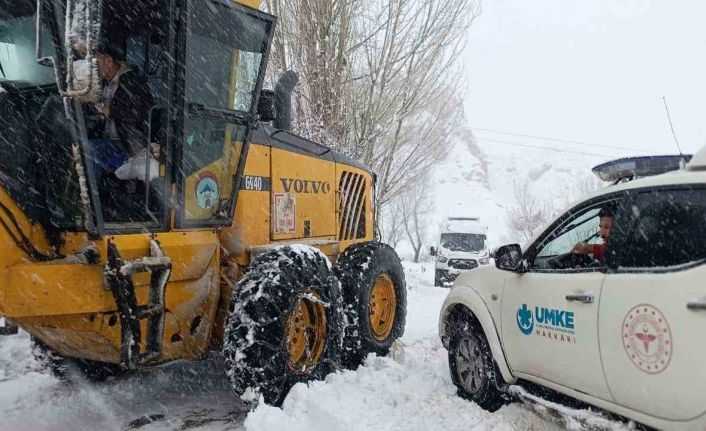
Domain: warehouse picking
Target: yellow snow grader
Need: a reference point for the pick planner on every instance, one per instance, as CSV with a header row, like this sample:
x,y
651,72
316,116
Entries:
x,y
240,237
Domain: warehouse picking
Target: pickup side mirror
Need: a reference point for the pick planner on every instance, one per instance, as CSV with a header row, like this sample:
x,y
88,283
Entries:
x,y
509,257
432,251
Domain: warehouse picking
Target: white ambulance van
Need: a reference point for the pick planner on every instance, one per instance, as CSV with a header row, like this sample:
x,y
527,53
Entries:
x,y
462,247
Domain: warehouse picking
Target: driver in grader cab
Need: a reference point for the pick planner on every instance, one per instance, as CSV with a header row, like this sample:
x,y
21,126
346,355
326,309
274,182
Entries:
x,y
125,103
598,250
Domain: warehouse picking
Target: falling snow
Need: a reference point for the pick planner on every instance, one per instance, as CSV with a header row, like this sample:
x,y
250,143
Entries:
x,y
408,390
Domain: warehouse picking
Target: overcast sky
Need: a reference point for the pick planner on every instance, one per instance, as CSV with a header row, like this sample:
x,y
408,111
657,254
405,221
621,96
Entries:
x,y
591,71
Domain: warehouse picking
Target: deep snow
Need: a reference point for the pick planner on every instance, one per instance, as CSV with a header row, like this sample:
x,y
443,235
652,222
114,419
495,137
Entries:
x,y
408,390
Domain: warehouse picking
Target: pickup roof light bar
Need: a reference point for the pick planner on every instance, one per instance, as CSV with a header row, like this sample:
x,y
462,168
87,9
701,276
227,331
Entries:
x,y
698,162
634,167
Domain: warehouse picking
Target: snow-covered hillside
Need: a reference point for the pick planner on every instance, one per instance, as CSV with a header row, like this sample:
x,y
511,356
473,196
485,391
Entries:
x,y
479,178
463,186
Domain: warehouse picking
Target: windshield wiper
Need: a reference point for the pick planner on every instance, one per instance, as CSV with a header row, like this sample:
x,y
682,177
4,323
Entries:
x,y
2,70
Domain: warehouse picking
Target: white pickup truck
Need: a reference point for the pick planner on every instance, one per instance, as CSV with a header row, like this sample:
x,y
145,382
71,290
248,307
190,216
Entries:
x,y
618,323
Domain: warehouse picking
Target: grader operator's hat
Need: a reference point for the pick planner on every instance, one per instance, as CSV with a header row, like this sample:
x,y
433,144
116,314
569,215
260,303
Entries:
x,y
111,48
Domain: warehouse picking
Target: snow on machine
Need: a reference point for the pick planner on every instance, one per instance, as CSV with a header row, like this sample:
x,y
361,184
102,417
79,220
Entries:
x,y
606,305
223,233
462,247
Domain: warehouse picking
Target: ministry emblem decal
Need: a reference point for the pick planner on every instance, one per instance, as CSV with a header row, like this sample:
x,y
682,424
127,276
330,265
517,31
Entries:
x,y
647,338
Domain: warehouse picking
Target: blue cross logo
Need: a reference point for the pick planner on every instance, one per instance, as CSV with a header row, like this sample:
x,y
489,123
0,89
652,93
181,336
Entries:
x,y
524,320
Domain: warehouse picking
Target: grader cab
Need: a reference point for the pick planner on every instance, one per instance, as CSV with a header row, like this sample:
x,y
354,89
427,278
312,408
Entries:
x,y
225,243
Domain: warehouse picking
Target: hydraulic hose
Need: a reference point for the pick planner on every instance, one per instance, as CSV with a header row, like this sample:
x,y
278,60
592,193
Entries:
x,y
20,239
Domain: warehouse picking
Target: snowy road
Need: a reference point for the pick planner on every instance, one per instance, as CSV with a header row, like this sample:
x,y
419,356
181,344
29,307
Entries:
x,y
409,391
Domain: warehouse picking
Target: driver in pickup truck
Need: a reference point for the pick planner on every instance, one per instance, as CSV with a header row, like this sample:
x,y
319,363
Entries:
x,y
605,216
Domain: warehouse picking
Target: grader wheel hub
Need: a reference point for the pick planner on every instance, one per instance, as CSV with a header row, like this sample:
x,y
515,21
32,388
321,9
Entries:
x,y
383,306
306,329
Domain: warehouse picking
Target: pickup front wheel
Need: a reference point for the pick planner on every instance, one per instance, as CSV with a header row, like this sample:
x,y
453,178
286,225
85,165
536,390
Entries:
x,y
472,368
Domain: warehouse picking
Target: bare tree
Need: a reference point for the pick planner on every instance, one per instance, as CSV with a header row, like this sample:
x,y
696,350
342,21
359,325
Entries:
x,y
378,78
391,225
579,187
407,69
421,139
414,209
527,215
315,39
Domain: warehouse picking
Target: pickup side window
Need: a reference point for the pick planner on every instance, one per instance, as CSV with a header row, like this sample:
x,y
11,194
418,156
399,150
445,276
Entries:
x,y
667,228
553,250
583,228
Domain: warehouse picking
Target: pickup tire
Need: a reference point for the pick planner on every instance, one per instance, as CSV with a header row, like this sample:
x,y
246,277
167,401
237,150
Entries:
x,y
375,300
284,324
472,367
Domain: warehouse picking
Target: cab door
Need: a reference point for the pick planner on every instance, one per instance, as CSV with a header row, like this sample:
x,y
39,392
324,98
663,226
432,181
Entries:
x,y
653,308
225,48
550,312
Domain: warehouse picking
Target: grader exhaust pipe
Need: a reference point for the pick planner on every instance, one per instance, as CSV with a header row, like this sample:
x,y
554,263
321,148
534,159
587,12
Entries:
x,y
283,100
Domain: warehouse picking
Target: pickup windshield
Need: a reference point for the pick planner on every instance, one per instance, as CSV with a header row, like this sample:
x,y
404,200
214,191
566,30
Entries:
x,y
463,241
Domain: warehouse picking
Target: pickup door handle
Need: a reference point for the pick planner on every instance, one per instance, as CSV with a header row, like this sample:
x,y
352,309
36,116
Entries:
x,y
586,298
697,305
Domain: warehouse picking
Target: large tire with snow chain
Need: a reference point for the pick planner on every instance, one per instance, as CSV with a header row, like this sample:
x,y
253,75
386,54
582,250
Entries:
x,y
375,300
472,367
285,324
61,367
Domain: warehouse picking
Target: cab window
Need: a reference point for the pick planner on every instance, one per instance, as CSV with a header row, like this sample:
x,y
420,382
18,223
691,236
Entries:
x,y
35,143
667,228
18,27
225,52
